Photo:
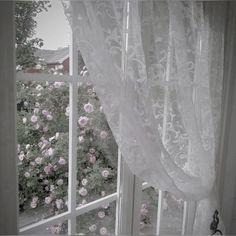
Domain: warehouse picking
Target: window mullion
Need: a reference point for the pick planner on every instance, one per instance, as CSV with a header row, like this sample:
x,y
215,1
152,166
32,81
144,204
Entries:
x,y
73,134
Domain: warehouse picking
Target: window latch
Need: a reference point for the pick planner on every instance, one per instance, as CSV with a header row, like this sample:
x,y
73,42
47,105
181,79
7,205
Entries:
x,y
214,224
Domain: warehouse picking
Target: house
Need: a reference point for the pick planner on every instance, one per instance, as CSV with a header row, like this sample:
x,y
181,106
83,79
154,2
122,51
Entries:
x,y
55,60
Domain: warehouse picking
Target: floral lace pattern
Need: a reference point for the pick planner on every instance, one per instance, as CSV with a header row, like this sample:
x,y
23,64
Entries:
x,y
161,92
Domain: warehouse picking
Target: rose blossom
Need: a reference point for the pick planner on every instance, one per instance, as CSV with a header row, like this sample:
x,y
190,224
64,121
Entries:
x,y
88,107
83,191
103,134
37,104
27,174
92,159
21,156
50,152
48,200
60,182
47,169
35,199
81,139
46,181
105,173
37,126
38,160
39,87
49,117
25,104
55,229
27,146
59,203
62,161
92,228
57,84
92,150
84,182
45,112
45,129
67,111
83,120
33,204
24,120
36,110
103,231
101,214
103,193
34,118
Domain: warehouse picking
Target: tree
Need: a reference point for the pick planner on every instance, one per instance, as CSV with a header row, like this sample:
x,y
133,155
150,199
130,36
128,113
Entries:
x,y
26,45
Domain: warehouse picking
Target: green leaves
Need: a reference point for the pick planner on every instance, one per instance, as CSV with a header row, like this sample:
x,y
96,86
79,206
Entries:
x,y
25,13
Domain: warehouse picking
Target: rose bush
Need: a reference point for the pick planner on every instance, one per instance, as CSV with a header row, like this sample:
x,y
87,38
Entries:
x,y
43,137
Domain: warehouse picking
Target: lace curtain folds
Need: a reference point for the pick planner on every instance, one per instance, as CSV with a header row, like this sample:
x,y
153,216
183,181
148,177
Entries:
x,y
157,67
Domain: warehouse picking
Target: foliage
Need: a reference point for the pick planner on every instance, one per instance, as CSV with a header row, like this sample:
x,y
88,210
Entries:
x,y
42,128
25,12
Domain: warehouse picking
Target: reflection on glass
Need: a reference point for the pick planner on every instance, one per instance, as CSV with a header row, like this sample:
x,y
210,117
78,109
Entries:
x,y
97,149
98,222
172,214
42,133
148,211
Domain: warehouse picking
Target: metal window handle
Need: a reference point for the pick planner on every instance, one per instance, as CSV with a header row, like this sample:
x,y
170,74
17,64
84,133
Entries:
x,y
214,224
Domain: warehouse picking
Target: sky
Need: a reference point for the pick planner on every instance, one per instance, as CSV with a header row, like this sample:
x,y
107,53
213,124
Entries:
x,y
53,27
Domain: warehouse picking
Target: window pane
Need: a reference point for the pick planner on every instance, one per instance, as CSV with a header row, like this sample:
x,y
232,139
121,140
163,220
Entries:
x,y
149,211
42,133
172,214
97,149
61,228
98,222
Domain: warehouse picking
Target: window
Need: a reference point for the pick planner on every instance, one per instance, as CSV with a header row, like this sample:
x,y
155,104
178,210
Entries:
x,y
82,183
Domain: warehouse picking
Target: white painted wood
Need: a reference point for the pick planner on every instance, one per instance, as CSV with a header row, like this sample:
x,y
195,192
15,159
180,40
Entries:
x,y
43,224
228,132
137,200
73,119
184,220
67,215
96,204
21,76
8,154
190,217
118,190
159,212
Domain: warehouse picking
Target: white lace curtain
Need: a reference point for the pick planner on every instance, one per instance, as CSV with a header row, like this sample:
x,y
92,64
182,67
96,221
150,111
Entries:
x,y
157,67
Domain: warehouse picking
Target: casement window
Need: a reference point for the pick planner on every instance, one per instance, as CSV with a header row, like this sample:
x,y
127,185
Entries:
x,y
130,207
49,101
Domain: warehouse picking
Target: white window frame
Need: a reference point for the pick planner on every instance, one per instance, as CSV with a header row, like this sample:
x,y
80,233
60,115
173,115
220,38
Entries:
x,y
128,196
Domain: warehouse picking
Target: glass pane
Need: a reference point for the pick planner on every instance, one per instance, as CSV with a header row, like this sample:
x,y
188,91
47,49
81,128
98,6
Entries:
x,y
97,149
172,214
98,222
42,37
42,133
149,211
61,228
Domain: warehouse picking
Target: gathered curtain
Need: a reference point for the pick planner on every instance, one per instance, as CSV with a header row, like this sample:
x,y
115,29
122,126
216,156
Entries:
x,y
157,67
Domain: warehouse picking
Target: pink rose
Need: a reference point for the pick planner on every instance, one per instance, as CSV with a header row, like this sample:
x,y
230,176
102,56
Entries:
x,y
105,173
34,118
62,161
83,121
88,107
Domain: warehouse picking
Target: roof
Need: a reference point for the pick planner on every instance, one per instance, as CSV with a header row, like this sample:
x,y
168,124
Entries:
x,y
53,56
